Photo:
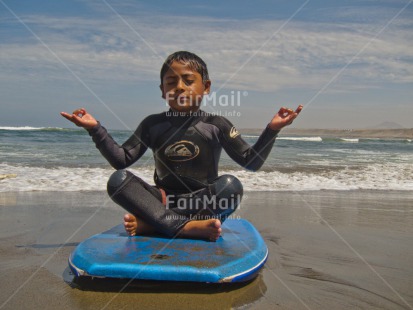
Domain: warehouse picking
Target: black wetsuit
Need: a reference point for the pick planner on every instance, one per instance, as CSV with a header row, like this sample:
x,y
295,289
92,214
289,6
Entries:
x,y
186,149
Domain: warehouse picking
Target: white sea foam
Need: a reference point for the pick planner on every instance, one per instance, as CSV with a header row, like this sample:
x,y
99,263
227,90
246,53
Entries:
x,y
29,128
309,139
350,140
60,179
22,128
389,176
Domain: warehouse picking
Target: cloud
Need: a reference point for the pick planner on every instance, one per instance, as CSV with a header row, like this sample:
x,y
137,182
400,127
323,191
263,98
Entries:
x,y
304,54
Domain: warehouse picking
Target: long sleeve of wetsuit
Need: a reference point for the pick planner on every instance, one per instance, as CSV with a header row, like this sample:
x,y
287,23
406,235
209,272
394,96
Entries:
x,y
120,156
249,157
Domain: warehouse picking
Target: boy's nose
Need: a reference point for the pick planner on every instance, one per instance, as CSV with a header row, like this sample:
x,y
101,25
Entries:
x,y
180,85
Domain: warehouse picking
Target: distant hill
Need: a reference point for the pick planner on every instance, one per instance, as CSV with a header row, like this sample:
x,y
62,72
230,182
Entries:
x,y
387,125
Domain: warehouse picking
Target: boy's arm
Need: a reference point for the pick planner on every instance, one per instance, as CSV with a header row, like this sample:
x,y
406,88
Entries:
x,y
249,157
253,157
119,156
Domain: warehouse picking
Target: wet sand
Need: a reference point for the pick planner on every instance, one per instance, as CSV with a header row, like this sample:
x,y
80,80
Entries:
x,y
327,250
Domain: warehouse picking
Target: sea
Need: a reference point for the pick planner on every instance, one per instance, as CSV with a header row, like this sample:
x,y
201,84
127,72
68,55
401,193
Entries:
x,y
64,159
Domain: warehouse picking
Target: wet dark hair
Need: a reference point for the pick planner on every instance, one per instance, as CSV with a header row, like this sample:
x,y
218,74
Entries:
x,y
194,62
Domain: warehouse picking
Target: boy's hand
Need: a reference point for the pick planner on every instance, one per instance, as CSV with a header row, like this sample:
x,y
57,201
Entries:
x,y
81,118
284,117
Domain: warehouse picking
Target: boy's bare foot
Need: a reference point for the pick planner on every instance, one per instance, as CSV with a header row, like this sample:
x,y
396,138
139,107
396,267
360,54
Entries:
x,y
206,229
135,226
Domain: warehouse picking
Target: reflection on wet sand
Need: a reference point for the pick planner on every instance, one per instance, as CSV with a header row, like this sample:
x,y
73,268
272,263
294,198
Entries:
x,y
163,294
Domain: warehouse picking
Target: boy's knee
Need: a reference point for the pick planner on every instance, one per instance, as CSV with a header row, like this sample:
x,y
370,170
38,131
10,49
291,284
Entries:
x,y
116,180
227,186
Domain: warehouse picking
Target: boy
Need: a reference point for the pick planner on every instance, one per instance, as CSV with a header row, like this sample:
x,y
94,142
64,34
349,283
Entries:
x,y
189,198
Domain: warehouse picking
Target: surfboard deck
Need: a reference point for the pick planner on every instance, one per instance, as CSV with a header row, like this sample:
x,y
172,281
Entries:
x,y
237,256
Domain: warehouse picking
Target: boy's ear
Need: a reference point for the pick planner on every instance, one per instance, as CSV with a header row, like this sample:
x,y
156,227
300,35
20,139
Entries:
x,y
163,93
207,87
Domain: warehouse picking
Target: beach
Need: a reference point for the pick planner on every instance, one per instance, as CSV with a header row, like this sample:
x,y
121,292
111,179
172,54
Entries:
x,y
334,209
327,250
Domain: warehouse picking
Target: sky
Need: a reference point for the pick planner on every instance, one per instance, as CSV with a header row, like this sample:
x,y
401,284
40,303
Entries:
x,y
350,63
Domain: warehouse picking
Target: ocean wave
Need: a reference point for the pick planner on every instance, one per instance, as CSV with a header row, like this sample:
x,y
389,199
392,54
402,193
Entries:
x,y
365,140
308,139
26,178
352,140
250,136
389,176
29,128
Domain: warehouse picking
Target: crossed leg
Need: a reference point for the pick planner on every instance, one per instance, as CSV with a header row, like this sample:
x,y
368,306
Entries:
x,y
203,229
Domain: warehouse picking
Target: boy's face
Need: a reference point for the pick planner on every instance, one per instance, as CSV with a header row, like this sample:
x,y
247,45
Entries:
x,y
183,88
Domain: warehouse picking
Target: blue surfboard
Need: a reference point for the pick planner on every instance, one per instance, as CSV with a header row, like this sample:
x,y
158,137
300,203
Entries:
x,y
237,256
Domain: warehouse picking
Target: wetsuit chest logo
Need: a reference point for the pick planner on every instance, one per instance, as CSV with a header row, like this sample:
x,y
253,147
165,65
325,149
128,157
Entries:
x,y
182,151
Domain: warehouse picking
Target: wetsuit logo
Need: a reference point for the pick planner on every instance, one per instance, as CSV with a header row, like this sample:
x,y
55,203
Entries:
x,y
182,151
233,133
